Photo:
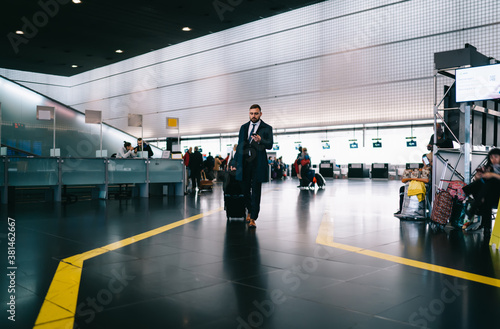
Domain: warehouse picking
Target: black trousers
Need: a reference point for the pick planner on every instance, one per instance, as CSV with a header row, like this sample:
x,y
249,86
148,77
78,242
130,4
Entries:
x,y
251,189
195,178
486,193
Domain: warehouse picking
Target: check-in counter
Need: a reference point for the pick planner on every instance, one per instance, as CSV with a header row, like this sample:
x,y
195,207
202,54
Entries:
x,y
357,170
56,173
326,168
380,170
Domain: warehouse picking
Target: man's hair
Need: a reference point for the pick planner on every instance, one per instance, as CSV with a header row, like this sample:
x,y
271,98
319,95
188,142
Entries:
x,y
139,139
255,106
196,148
125,144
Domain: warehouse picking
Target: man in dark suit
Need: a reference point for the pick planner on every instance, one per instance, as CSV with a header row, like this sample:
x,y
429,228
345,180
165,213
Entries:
x,y
195,162
251,160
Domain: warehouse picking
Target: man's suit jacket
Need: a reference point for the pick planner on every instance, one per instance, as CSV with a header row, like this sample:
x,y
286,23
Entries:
x,y
265,131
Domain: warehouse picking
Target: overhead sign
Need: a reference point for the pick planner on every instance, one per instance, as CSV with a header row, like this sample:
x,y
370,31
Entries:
x,y
134,120
325,144
411,142
93,116
44,112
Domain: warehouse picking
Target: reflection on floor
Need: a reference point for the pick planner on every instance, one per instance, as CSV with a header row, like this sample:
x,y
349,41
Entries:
x,y
214,273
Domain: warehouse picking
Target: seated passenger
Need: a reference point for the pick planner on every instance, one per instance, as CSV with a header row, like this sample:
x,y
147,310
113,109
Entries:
x,y
486,191
126,152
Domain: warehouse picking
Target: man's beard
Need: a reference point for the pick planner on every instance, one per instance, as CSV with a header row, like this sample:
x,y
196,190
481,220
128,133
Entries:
x,y
254,120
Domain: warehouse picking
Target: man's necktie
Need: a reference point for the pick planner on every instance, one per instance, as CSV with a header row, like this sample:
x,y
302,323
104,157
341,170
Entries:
x,y
250,137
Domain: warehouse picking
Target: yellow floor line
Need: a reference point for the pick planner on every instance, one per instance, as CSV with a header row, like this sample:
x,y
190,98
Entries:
x,y
325,237
59,307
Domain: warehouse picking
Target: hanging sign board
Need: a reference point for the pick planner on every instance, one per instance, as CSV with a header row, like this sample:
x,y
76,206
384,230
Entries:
x,y
353,143
377,142
325,144
276,147
297,145
411,142
44,113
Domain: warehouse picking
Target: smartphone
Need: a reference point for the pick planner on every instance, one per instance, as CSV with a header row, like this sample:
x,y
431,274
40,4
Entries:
x,y
425,159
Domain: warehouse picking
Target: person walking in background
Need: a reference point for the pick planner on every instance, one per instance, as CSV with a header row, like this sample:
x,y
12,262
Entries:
x,y
252,167
231,161
185,158
195,162
217,163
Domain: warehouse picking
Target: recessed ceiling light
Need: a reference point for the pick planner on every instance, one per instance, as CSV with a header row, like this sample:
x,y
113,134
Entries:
x,y
186,28
119,51
74,66
19,32
77,1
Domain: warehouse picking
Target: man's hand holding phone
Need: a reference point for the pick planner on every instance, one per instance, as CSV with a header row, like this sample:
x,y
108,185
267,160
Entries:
x,y
256,137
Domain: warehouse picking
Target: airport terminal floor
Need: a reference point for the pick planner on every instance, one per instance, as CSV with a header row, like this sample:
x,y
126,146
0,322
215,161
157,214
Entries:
x,y
333,258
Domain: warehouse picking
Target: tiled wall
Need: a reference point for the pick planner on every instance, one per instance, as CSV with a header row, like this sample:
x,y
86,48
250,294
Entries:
x,y
333,63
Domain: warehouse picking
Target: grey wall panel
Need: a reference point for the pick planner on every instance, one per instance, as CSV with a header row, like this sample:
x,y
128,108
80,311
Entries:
x,y
337,62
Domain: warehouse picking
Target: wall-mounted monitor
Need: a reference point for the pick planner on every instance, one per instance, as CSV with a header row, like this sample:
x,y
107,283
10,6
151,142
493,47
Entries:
x,y
478,83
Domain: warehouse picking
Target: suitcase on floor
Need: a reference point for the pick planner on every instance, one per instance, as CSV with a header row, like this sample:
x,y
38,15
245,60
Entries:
x,y
234,200
234,206
320,180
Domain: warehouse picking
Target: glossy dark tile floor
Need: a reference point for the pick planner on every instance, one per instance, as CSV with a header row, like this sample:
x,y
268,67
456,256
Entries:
x,y
214,273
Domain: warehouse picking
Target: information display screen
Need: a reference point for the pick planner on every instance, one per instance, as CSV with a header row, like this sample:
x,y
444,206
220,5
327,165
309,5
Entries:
x,y
478,83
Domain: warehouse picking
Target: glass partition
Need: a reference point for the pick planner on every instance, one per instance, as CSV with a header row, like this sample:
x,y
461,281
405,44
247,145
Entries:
x,y
2,171
83,171
123,171
74,138
32,171
165,170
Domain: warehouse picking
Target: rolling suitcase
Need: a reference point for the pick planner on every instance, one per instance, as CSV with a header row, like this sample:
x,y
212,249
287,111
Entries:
x,y
234,200
442,206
